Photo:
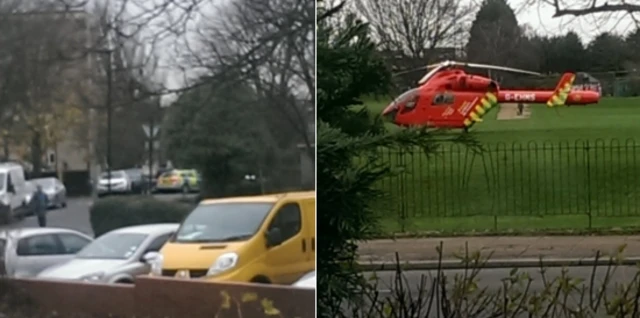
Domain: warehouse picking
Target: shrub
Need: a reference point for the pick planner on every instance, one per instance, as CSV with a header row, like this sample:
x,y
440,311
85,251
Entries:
x,y
517,294
115,212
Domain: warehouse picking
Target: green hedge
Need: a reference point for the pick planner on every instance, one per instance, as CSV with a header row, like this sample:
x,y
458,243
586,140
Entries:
x,y
115,212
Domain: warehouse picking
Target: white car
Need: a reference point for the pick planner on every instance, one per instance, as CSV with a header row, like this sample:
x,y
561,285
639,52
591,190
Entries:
x,y
118,183
28,251
307,281
15,191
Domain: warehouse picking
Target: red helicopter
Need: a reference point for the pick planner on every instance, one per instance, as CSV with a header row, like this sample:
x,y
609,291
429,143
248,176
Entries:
x,y
448,97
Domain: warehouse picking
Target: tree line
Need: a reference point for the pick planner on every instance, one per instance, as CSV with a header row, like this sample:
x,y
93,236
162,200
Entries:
x,y
489,33
94,73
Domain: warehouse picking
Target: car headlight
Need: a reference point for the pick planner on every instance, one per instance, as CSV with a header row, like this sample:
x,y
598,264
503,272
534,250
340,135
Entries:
x,y
156,266
223,263
92,277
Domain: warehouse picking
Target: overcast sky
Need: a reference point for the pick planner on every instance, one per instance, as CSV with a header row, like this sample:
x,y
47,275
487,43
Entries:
x,y
539,17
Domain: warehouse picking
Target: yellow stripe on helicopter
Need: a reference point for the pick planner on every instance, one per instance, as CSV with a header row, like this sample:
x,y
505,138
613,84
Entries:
x,y
482,107
560,97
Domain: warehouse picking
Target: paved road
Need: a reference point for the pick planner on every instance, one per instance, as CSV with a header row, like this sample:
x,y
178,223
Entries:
x,y
75,215
501,247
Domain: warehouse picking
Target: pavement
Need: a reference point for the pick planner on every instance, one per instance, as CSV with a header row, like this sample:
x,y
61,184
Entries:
x,y
506,251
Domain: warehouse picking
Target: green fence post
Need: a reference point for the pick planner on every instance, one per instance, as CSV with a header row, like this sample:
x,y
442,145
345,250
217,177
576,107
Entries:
x,y
403,204
588,165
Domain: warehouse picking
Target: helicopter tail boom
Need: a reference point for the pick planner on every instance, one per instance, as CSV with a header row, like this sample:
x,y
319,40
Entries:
x,y
562,95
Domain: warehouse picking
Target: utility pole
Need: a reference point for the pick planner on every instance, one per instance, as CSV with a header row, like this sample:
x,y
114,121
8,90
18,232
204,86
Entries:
x,y
151,139
151,130
109,114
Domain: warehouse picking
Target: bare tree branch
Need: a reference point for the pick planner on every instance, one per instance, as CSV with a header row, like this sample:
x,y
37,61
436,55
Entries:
x,y
415,27
268,44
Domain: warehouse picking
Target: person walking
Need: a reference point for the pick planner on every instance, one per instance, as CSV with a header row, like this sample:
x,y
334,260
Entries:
x,y
40,209
520,109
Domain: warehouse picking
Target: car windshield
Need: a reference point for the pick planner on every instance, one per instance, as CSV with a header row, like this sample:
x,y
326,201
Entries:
x,y
134,173
223,222
113,246
114,175
46,183
168,174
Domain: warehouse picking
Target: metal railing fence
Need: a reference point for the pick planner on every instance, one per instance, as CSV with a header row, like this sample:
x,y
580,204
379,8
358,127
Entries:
x,y
594,178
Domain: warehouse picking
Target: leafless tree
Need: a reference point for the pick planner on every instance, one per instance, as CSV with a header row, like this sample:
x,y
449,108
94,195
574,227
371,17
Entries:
x,y
37,90
117,93
412,29
599,11
48,41
270,44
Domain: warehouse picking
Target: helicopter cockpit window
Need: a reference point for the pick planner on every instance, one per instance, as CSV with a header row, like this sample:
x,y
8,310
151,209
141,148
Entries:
x,y
406,96
443,99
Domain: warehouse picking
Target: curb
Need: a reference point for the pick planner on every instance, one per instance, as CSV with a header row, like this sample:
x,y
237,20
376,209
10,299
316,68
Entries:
x,y
497,263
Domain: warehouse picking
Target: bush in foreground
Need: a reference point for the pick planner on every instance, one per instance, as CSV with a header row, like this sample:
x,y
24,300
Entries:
x,y
462,295
115,212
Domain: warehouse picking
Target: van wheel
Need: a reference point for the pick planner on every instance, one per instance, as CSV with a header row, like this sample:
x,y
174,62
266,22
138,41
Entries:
x,y
260,280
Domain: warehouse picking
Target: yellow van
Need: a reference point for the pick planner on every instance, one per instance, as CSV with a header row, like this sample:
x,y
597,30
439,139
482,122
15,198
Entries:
x,y
261,239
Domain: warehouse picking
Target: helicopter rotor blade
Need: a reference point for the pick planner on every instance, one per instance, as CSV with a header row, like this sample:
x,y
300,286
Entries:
x,y
421,68
427,76
438,66
498,68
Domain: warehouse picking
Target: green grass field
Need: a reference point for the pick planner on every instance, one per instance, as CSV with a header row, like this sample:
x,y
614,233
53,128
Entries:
x,y
550,171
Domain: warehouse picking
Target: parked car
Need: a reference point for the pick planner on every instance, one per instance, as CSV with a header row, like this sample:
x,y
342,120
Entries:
x,y
185,180
115,257
266,239
15,191
28,251
307,281
54,189
139,180
120,183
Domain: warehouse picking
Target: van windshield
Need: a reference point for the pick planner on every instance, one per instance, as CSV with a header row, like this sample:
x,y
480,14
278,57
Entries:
x,y
223,222
3,176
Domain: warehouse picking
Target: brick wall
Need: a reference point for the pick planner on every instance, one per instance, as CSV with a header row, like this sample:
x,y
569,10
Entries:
x,y
165,297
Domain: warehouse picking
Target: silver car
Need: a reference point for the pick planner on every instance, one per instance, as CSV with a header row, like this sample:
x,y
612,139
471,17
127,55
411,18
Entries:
x,y
55,191
115,257
118,183
28,251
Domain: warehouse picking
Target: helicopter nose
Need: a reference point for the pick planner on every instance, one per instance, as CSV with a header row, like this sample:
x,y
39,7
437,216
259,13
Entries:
x,y
390,112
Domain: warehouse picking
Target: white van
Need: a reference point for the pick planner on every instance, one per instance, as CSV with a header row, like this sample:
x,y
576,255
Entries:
x,y
15,192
